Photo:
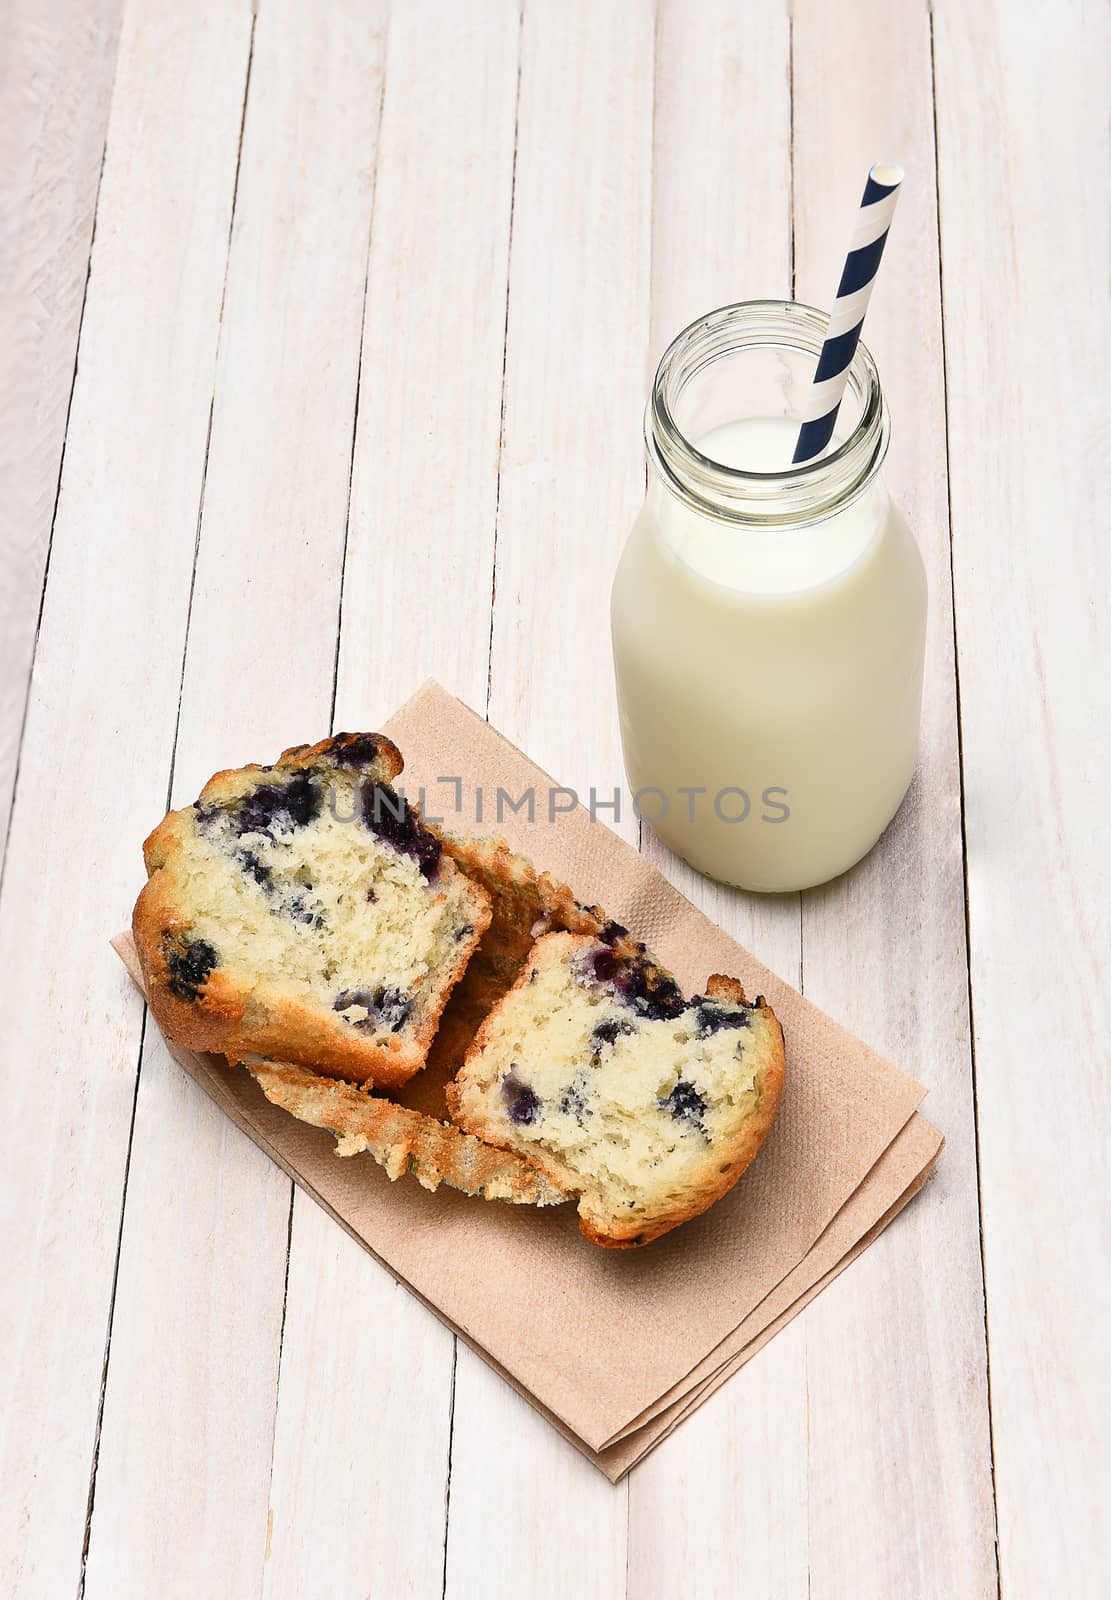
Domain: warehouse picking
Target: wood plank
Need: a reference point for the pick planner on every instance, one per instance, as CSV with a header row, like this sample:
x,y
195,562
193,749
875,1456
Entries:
x,y
722,232
97,749
721,1507
571,478
369,1428
186,1444
55,86
420,548
529,1514
572,474
363,1431
900,1455
1026,257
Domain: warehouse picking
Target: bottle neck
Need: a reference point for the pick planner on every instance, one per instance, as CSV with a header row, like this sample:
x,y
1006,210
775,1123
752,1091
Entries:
x,y
771,559
756,361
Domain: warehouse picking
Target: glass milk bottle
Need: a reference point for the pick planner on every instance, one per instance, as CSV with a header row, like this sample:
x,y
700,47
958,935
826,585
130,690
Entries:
x,y
768,619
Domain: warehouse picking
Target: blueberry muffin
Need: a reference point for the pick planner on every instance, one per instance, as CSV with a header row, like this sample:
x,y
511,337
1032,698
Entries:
x,y
402,1140
303,911
646,1105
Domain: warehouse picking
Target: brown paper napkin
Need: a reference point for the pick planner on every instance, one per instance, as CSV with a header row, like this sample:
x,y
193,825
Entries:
x,y
641,1337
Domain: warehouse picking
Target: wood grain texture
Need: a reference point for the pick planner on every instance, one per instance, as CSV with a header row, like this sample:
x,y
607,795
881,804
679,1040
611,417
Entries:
x,y
1026,256
361,1446
56,68
721,209
721,1508
529,1514
97,750
424,487
895,1350
183,1468
185,1452
572,474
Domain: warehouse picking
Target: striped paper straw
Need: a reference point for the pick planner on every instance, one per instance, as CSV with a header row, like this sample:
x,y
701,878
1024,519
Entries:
x,y
847,317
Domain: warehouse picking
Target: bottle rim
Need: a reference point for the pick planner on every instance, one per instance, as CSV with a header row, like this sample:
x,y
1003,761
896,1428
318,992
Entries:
x,y
804,492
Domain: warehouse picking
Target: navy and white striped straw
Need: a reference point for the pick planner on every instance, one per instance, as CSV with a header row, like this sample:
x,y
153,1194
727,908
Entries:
x,y
847,317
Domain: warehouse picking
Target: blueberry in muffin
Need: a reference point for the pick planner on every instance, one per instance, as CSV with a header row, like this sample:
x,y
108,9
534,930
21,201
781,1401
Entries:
x,y
303,911
646,1105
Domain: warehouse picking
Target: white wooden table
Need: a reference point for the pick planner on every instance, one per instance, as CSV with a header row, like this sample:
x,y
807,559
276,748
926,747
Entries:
x,y
325,338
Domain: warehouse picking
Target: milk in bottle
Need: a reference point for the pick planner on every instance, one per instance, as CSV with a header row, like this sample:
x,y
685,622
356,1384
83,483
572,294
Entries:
x,y
768,619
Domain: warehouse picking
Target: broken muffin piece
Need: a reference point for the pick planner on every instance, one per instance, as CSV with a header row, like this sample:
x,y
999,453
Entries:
x,y
646,1105
303,911
401,1140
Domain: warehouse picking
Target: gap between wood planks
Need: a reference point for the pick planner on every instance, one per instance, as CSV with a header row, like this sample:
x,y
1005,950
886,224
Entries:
x,y
964,830
53,518
108,1329
489,667
504,363
358,396
94,1465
